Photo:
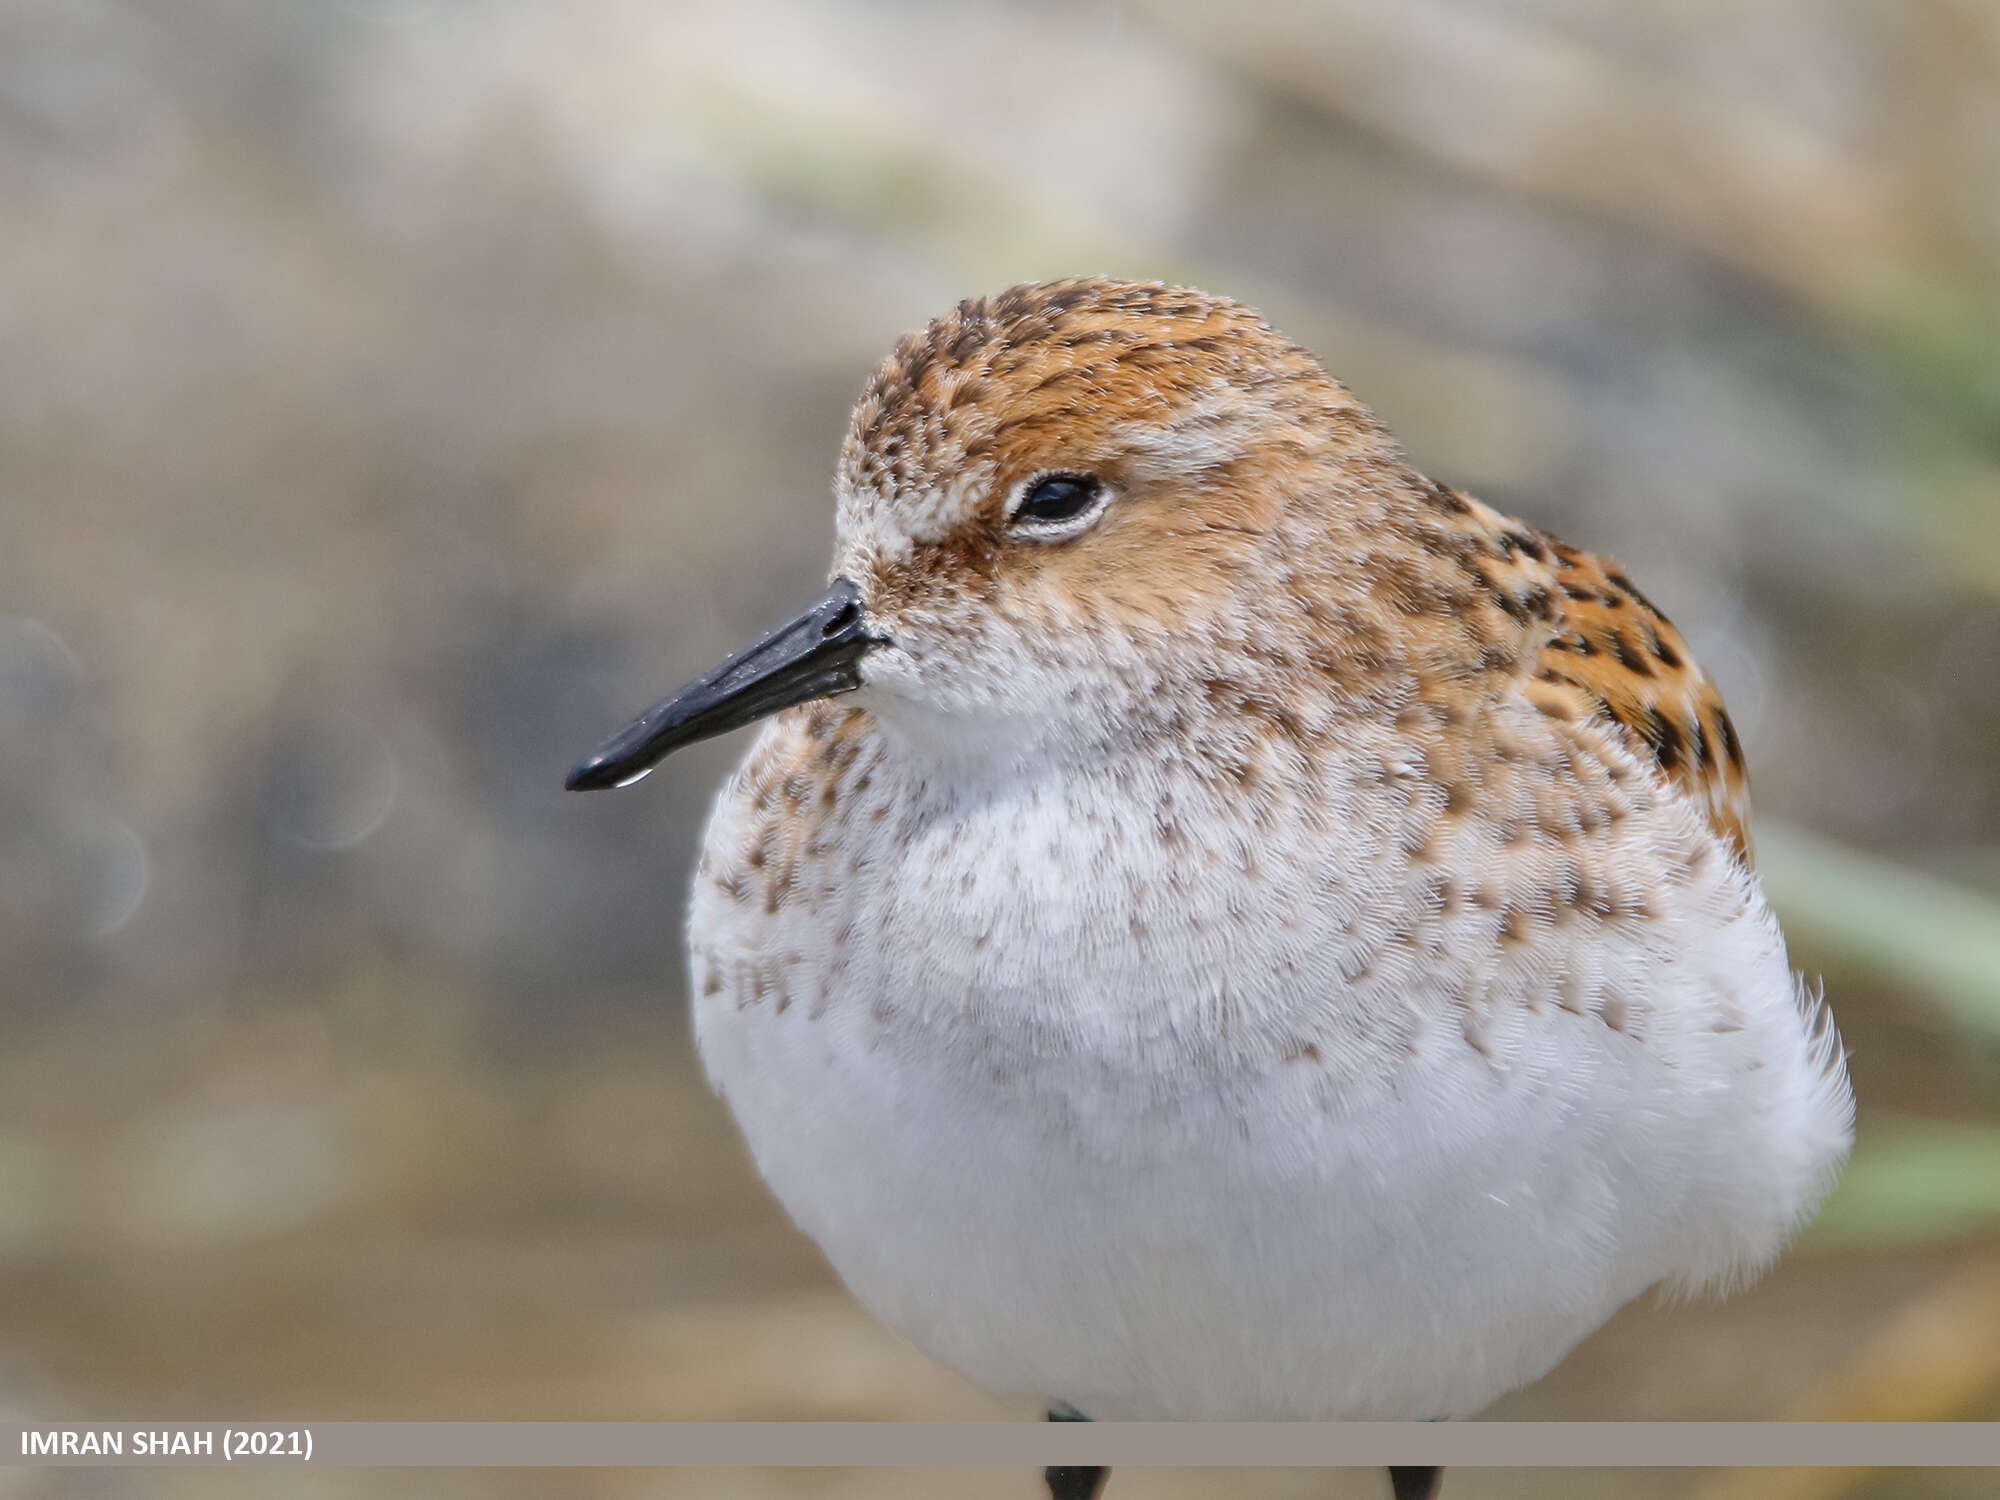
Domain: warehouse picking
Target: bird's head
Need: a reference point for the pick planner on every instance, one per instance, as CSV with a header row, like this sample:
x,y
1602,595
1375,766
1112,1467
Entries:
x,y
1057,508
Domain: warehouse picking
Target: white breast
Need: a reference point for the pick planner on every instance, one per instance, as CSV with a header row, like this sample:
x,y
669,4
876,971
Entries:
x,y
1116,1093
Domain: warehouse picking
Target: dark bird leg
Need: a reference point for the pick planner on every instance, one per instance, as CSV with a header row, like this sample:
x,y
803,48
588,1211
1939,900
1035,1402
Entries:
x,y
1416,1482
1073,1482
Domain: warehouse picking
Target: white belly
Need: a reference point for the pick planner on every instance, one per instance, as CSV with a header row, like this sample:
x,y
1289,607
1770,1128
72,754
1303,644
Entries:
x,y
1190,1175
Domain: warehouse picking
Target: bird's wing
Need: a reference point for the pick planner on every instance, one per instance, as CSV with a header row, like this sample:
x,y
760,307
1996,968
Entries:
x,y
1614,656
1598,649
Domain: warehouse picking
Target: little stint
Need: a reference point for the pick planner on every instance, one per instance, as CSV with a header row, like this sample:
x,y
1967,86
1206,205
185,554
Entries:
x,y
1218,925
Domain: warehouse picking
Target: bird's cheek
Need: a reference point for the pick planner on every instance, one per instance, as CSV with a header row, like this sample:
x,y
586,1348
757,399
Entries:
x,y
893,670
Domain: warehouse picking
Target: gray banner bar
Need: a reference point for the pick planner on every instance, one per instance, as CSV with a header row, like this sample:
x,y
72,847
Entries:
x,y
905,1444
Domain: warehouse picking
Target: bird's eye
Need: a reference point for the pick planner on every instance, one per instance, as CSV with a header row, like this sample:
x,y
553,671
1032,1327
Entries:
x,y
1056,502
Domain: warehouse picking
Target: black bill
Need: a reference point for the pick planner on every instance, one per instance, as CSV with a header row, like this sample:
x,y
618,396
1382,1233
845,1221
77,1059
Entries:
x,y
815,656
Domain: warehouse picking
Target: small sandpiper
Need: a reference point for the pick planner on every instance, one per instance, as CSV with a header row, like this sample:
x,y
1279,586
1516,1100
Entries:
x,y
1218,925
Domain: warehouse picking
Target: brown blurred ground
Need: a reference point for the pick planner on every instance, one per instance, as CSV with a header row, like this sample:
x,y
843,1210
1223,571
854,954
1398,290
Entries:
x,y
395,394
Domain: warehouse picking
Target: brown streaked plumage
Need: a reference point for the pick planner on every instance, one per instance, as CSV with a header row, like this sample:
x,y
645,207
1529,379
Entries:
x,y
1605,651
1615,655
1458,593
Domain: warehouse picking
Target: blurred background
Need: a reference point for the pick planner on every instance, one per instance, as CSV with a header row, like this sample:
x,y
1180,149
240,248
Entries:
x,y
395,395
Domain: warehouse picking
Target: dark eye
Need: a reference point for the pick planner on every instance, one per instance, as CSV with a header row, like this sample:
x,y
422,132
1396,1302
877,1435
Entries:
x,y
1056,498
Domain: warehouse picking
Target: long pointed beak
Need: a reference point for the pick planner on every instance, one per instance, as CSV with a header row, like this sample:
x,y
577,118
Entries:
x,y
816,655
